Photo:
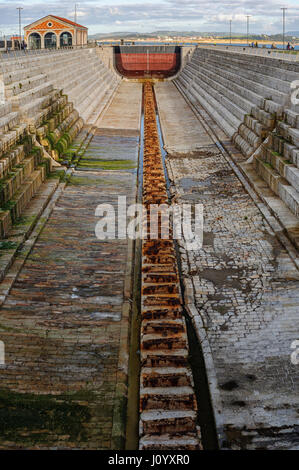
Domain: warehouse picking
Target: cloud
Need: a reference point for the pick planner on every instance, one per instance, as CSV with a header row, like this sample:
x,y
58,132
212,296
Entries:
x,y
154,14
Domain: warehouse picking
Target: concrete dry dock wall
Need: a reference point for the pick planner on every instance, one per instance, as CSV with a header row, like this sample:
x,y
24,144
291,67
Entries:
x,y
252,99
240,289
47,100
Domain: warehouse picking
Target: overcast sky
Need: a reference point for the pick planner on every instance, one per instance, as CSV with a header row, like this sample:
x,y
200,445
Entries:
x,y
103,16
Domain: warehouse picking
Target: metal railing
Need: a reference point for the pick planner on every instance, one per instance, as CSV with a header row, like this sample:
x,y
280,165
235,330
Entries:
x,y
17,54
290,56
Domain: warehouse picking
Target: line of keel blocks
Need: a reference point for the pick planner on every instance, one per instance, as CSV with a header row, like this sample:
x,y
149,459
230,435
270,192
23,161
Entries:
x,y
168,408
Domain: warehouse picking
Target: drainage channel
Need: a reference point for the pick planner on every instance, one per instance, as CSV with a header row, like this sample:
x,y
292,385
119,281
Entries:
x,y
168,405
206,418
132,418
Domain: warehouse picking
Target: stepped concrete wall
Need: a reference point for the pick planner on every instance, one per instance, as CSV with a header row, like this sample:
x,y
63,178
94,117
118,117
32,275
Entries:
x,y
48,97
250,99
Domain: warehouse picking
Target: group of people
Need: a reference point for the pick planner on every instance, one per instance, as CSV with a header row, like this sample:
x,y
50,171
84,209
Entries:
x,y
273,46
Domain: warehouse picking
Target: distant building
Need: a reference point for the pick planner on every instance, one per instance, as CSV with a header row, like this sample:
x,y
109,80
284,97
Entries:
x,y
54,32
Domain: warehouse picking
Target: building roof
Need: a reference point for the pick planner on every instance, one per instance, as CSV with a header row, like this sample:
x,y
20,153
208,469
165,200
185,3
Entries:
x,y
65,20
68,21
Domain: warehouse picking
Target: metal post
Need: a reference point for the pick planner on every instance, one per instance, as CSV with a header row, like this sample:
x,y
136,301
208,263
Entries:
x,y
284,24
75,12
230,31
248,17
20,26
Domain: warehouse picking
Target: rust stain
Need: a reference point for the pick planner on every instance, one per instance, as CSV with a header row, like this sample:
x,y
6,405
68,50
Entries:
x,y
167,400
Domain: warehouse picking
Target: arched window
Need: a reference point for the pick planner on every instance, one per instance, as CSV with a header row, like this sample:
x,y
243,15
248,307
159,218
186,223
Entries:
x,y
66,39
35,41
50,41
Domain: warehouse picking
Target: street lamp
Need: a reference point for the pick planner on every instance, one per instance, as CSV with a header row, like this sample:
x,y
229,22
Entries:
x,y
20,26
284,9
248,18
230,31
76,5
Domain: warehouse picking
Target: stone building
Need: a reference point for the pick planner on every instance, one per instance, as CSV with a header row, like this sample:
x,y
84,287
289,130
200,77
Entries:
x,y
53,32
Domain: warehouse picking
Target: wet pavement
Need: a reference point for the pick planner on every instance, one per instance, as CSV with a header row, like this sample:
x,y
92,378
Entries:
x,y
65,322
242,292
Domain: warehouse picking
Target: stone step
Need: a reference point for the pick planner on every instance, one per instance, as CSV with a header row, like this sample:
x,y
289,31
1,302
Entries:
x,y
167,398
230,93
22,198
273,68
5,109
24,85
224,106
292,118
254,80
33,108
11,138
265,118
243,145
164,442
96,102
289,133
256,126
216,111
10,185
250,136
175,358
28,96
65,78
278,184
13,158
285,169
231,81
8,122
221,105
166,377
159,422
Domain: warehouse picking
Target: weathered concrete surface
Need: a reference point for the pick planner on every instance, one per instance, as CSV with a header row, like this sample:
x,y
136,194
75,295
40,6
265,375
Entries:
x,y
242,290
177,121
125,109
65,322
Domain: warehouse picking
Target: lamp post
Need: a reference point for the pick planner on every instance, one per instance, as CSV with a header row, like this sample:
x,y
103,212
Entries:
x,y
230,31
284,9
248,18
20,26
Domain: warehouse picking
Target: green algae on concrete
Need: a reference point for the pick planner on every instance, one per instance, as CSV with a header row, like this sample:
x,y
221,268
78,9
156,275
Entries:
x,y
108,164
26,417
63,323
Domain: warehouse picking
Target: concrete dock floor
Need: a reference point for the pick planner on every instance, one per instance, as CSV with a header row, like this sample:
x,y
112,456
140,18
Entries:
x,y
65,322
180,133
241,289
124,111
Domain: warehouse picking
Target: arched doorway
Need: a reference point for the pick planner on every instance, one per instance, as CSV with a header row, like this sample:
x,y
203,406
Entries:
x,y
50,41
35,41
66,39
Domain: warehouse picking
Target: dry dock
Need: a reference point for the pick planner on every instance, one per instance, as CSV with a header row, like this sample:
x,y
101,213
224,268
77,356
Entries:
x,y
113,343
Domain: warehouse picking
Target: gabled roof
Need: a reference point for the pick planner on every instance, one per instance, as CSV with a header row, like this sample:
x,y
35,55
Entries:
x,y
65,20
68,21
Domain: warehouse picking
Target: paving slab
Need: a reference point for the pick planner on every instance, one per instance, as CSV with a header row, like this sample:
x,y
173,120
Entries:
x,y
242,291
124,113
181,133
65,322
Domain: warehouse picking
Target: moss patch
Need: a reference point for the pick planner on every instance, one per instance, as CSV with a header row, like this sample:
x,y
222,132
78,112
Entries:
x,y
36,418
108,164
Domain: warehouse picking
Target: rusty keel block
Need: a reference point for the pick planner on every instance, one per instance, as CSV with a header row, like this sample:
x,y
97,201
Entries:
x,y
168,408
